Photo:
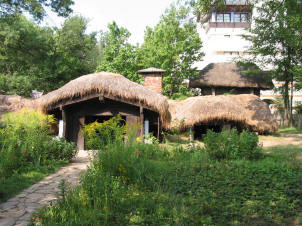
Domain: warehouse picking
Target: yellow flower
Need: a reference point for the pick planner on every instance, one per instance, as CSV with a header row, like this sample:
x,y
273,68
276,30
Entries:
x,y
138,139
84,203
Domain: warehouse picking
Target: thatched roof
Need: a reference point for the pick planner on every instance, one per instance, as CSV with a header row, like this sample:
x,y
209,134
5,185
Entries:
x,y
246,109
229,75
12,103
109,85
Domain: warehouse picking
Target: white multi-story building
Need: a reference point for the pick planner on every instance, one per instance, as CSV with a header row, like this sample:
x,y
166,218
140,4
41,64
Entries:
x,y
221,33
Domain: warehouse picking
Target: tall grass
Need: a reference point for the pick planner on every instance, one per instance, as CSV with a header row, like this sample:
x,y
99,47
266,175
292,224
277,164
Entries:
x,y
141,184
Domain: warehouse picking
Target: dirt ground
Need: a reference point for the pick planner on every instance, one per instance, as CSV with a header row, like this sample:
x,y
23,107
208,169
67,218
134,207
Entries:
x,y
281,139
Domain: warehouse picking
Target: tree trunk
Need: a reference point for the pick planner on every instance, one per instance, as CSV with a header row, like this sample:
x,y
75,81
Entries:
x,y
286,104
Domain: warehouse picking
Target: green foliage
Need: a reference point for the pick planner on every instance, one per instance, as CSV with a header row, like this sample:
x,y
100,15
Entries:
x,y
43,58
35,7
59,148
275,38
231,145
173,45
298,107
25,140
142,184
117,54
98,135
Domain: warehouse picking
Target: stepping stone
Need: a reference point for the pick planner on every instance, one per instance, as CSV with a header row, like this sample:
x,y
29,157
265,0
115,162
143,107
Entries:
x,y
7,221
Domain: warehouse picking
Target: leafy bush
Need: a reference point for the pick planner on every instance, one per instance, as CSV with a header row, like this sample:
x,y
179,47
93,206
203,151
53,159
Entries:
x,y
231,145
59,148
25,140
98,135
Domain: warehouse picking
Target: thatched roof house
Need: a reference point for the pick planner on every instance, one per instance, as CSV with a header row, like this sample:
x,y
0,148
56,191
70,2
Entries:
x,y
221,78
12,103
248,111
95,96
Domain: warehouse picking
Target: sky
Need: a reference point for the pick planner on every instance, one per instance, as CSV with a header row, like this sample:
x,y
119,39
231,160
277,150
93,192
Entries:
x,y
134,15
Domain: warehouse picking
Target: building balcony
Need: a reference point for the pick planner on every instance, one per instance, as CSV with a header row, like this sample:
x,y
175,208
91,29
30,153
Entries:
x,y
230,24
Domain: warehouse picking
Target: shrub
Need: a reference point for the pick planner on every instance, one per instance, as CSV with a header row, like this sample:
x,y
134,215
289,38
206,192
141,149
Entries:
x,y
23,140
98,135
231,145
59,148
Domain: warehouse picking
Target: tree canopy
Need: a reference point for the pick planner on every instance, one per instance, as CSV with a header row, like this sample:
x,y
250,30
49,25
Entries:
x,y
173,45
34,57
276,43
117,54
35,7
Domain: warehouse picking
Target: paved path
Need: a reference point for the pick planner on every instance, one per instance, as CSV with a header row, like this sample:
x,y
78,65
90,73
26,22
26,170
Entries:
x,y
18,210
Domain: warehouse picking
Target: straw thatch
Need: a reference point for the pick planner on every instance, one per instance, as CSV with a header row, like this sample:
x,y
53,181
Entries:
x,y
12,103
229,75
109,85
246,109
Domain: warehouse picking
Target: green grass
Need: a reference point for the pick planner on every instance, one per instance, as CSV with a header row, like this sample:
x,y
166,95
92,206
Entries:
x,y
13,185
290,130
149,185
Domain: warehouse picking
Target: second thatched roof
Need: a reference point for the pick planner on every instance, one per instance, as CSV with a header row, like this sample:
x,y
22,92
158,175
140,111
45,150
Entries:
x,y
230,75
108,85
249,110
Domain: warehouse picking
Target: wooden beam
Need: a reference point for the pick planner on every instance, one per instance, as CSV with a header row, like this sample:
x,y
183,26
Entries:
x,y
74,101
101,99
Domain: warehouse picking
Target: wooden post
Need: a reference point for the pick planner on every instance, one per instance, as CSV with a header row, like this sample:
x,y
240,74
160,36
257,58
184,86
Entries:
x,y
213,91
81,140
141,119
64,121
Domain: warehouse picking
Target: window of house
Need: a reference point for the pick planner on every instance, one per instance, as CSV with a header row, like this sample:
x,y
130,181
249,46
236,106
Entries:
x,y
243,17
227,36
219,17
223,17
240,17
227,17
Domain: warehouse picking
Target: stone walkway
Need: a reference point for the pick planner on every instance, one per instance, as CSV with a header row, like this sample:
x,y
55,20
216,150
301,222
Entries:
x,y
18,210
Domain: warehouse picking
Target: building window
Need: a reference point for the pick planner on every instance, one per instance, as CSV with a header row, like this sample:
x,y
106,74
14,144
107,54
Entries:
x,y
240,17
223,17
227,36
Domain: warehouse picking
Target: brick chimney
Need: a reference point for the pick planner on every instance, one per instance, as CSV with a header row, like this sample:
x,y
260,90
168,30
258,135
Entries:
x,y
153,78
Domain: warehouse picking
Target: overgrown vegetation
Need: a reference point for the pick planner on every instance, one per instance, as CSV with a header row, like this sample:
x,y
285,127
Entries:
x,y
232,145
26,146
140,184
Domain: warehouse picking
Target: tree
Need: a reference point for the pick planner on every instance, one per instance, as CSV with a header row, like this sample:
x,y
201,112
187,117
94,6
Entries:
x,y
73,53
276,42
24,48
117,54
32,57
173,45
35,7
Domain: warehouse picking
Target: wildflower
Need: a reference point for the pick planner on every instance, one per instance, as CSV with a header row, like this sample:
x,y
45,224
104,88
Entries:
x,y
138,152
105,207
84,203
138,139
26,154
